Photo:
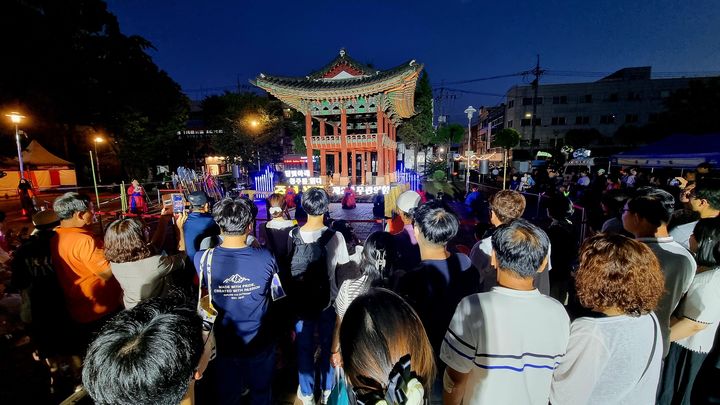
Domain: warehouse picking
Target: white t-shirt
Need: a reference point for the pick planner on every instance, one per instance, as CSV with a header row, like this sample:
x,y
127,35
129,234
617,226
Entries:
x,y
681,233
349,290
702,304
605,361
336,252
509,342
678,267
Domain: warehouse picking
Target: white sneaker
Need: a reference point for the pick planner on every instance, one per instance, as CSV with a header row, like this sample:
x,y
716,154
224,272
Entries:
x,y
326,396
306,400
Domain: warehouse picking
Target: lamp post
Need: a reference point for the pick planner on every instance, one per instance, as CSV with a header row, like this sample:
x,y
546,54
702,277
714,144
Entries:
x,y
16,118
96,141
469,111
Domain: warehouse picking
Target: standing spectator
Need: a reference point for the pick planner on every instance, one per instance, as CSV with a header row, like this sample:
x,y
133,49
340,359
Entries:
x,y
317,251
502,346
239,278
693,331
199,224
4,245
436,286
646,217
373,269
26,193
381,332
141,272
505,207
91,292
277,232
561,233
379,205
584,180
300,214
631,179
407,251
151,354
612,203
704,199
613,357
136,192
34,275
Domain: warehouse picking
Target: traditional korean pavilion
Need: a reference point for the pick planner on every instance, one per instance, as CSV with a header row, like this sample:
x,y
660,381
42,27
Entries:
x,y
352,112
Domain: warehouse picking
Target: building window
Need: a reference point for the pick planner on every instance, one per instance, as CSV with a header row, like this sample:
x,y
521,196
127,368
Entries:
x,y
631,118
527,100
586,99
511,103
557,121
538,122
613,97
559,99
664,93
525,122
510,124
654,117
607,119
538,100
582,120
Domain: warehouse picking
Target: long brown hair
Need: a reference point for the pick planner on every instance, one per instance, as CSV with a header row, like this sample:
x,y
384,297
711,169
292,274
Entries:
x,y
378,329
125,241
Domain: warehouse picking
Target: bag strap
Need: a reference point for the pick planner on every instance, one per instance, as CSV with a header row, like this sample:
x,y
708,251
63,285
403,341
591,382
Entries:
x,y
206,264
652,351
324,239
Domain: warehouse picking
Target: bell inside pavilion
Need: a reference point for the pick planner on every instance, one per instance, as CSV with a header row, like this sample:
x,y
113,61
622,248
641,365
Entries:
x,y
352,112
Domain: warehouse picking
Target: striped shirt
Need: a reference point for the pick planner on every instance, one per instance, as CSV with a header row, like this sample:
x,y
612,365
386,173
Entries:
x,y
349,290
509,342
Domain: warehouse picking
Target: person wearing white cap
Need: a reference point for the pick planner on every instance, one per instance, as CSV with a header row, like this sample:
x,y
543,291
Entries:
x,y
407,250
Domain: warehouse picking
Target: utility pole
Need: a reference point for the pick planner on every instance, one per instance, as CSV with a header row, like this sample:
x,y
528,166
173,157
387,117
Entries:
x,y
535,84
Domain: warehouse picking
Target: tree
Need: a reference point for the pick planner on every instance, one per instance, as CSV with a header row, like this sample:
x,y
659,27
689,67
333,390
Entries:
x,y
449,135
507,139
418,131
75,73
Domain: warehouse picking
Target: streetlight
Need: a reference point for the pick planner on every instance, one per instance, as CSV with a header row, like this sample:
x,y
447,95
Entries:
x,y
469,111
96,141
16,118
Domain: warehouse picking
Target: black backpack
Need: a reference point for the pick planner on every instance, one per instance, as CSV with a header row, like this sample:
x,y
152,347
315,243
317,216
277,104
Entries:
x,y
310,286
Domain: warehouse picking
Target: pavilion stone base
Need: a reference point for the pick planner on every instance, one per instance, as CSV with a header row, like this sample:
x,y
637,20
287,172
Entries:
x,y
344,180
380,181
336,178
368,177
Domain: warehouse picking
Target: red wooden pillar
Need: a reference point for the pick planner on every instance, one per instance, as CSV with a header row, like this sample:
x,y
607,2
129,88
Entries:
x,y
362,167
343,143
323,154
353,160
337,162
380,130
308,141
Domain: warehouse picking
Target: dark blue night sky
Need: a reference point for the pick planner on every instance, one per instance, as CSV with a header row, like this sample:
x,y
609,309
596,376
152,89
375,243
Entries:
x,y
216,44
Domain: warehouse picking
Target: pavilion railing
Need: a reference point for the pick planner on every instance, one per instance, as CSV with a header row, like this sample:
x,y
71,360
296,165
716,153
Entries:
x,y
352,140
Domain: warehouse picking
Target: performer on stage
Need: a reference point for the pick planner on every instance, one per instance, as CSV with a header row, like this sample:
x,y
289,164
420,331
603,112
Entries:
x,y
348,200
136,192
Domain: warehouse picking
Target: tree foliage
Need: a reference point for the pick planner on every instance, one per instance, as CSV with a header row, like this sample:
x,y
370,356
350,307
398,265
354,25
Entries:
x,y
74,73
250,123
507,138
417,131
452,133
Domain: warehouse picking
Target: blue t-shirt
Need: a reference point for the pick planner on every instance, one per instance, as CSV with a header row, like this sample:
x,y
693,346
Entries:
x,y
241,279
198,226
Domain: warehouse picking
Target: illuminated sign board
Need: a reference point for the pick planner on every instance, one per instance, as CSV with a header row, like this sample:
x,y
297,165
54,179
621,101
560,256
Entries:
x,y
302,177
362,190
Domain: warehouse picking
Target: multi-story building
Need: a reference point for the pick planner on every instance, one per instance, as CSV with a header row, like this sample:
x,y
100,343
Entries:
x,y
627,97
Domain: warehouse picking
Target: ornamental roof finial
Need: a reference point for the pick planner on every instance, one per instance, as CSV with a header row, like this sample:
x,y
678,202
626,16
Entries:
x,y
342,51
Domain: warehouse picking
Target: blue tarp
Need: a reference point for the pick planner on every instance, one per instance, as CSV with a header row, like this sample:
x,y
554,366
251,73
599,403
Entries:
x,y
681,151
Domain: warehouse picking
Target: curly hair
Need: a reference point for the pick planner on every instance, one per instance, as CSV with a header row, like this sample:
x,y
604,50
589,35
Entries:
x,y
618,272
507,205
125,241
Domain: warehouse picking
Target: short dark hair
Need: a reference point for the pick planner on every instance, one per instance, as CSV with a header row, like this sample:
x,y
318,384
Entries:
x,y
315,201
707,236
709,189
520,247
68,204
125,241
653,204
145,355
615,201
437,224
233,216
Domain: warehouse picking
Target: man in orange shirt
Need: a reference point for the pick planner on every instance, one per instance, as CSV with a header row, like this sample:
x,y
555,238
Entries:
x,y
91,292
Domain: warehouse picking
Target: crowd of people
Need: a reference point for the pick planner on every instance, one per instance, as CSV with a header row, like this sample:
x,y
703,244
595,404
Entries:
x,y
530,314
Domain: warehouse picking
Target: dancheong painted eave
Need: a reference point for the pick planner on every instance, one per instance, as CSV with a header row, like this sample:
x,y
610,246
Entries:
x,y
346,79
